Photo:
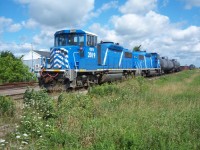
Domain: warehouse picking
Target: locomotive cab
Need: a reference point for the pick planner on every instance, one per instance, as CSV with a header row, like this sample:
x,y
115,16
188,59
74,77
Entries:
x,y
72,46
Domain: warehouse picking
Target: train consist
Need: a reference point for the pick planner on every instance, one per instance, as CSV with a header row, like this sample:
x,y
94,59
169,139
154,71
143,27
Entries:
x,y
77,60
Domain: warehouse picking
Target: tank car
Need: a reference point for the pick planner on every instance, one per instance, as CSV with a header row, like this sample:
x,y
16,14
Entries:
x,y
176,65
166,64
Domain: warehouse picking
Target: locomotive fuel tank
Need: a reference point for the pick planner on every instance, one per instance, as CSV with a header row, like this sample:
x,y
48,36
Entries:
x,y
111,77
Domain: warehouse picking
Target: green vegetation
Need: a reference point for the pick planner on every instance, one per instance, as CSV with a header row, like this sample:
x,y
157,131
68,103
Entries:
x,y
7,107
137,48
12,69
134,114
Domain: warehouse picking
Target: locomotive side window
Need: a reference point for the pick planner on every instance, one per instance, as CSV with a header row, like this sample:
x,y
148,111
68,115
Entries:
x,y
91,40
141,57
128,55
95,41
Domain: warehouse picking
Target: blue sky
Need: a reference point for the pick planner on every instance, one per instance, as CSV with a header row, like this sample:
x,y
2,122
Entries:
x,y
169,27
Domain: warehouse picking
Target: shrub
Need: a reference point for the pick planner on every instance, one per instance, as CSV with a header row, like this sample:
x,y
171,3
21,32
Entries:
x,y
7,107
104,90
15,70
40,101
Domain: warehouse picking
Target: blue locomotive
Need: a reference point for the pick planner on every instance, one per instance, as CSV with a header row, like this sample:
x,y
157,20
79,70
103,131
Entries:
x,y
77,60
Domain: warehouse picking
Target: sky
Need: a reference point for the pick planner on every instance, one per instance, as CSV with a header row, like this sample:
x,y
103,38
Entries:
x,y
168,27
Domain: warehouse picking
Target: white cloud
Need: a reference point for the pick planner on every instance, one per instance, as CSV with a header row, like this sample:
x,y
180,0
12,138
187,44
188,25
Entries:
x,y
30,23
6,24
191,3
17,49
60,13
138,7
190,33
45,38
137,26
104,33
104,7
14,27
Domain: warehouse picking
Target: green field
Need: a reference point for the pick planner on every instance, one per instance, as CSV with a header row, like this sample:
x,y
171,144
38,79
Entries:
x,y
139,113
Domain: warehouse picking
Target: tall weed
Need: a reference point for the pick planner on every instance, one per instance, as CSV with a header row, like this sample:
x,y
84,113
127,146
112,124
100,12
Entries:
x,y
7,107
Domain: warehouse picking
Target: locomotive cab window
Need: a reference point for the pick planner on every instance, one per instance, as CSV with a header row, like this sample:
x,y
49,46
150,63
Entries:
x,y
141,57
72,39
65,39
91,40
60,40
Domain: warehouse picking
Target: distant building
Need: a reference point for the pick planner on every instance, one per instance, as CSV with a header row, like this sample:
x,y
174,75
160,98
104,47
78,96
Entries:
x,y
36,59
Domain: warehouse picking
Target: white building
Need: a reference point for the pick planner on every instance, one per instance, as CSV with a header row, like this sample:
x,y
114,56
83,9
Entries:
x,y
36,59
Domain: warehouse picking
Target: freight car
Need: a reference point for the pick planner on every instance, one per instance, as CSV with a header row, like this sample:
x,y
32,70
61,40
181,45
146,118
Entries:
x,y
77,60
169,65
176,65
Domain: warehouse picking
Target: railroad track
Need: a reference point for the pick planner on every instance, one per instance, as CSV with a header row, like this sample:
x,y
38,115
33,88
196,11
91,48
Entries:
x,y
16,90
17,85
18,96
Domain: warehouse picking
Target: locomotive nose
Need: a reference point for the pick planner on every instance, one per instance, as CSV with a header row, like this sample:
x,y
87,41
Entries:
x,y
59,58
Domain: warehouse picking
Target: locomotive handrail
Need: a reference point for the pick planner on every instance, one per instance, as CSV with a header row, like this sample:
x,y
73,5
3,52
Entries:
x,y
75,59
47,74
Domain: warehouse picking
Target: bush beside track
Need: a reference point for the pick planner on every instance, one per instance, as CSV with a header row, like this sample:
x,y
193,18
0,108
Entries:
x,y
13,70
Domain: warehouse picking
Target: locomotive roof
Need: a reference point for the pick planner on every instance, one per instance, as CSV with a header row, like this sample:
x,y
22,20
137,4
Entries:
x,y
75,31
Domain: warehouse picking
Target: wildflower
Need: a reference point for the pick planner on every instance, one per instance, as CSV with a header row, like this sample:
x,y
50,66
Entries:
x,y
47,125
25,135
2,140
17,136
24,142
38,131
40,136
39,117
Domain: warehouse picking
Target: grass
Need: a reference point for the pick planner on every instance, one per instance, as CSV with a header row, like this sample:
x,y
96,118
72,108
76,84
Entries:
x,y
133,114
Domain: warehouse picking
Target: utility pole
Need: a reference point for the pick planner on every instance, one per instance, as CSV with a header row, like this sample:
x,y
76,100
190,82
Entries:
x,y
32,57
